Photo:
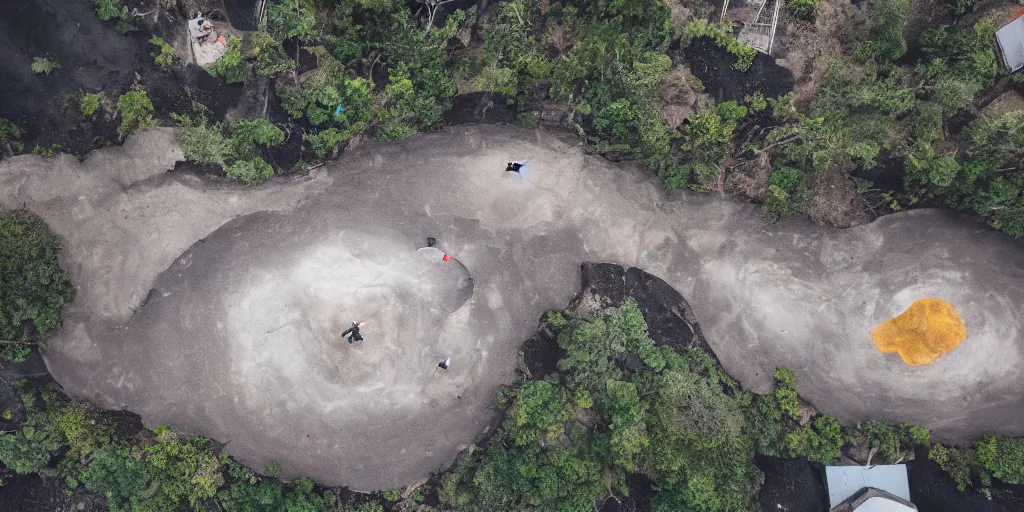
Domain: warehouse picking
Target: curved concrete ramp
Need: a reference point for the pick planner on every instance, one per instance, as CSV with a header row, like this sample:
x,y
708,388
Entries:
x,y
241,338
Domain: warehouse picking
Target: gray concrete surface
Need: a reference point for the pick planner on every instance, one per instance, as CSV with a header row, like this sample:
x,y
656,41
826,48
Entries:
x,y
240,337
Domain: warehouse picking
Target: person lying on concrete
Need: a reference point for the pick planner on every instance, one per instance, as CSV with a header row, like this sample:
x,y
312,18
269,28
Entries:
x,y
515,167
352,333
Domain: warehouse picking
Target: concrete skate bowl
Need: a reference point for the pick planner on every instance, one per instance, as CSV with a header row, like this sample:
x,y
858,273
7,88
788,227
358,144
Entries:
x,y
240,340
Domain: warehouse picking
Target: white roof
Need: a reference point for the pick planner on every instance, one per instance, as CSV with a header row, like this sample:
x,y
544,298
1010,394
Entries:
x,y
879,504
1010,39
845,481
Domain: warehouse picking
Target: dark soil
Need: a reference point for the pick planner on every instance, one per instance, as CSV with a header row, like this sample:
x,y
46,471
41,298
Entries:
x,y
932,490
35,493
93,57
480,107
791,485
541,354
639,499
242,14
713,66
887,175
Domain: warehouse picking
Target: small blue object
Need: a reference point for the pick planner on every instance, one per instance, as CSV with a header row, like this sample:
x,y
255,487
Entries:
x,y
337,112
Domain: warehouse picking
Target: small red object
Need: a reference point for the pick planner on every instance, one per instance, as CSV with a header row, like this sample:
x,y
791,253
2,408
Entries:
x,y
447,257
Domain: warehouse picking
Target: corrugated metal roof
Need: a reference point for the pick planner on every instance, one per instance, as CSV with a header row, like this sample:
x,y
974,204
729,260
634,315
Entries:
x,y
883,505
845,481
1010,39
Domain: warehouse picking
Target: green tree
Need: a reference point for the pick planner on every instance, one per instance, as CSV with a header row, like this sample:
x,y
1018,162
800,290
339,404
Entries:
x,y
33,286
959,63
30,449
884,38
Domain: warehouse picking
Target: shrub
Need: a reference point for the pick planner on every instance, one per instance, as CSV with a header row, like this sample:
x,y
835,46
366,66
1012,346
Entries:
x,y
708,136
955,462
934,171
136,111
47,151
325,142
203,143
238,153
269,55
44,66
231,66
33,286
90,103
164,55
721,36
821,441
787,194
785,392
756,102
9,135
1002,457
111,10
803,9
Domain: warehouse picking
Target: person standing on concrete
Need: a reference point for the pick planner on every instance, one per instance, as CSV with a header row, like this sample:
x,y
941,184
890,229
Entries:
x,y
444,364
352,333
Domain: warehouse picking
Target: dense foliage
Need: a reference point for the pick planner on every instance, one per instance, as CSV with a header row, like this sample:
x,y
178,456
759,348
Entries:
x,y
622,405
158,471
33,286
235,147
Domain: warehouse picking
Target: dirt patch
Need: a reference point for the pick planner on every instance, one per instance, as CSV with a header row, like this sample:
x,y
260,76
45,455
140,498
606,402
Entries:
x,y
835,202
480,107
1004,103
681,96
806,49
713,66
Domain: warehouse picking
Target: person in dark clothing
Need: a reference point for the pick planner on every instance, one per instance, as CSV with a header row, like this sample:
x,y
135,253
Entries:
x,y
352,333
444,364
431,241
514,167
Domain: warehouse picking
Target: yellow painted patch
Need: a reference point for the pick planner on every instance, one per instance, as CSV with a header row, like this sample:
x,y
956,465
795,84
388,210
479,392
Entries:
x,y
922,333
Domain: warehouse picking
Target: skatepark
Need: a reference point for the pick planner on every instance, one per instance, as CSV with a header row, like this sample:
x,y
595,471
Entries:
x,y
217,309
